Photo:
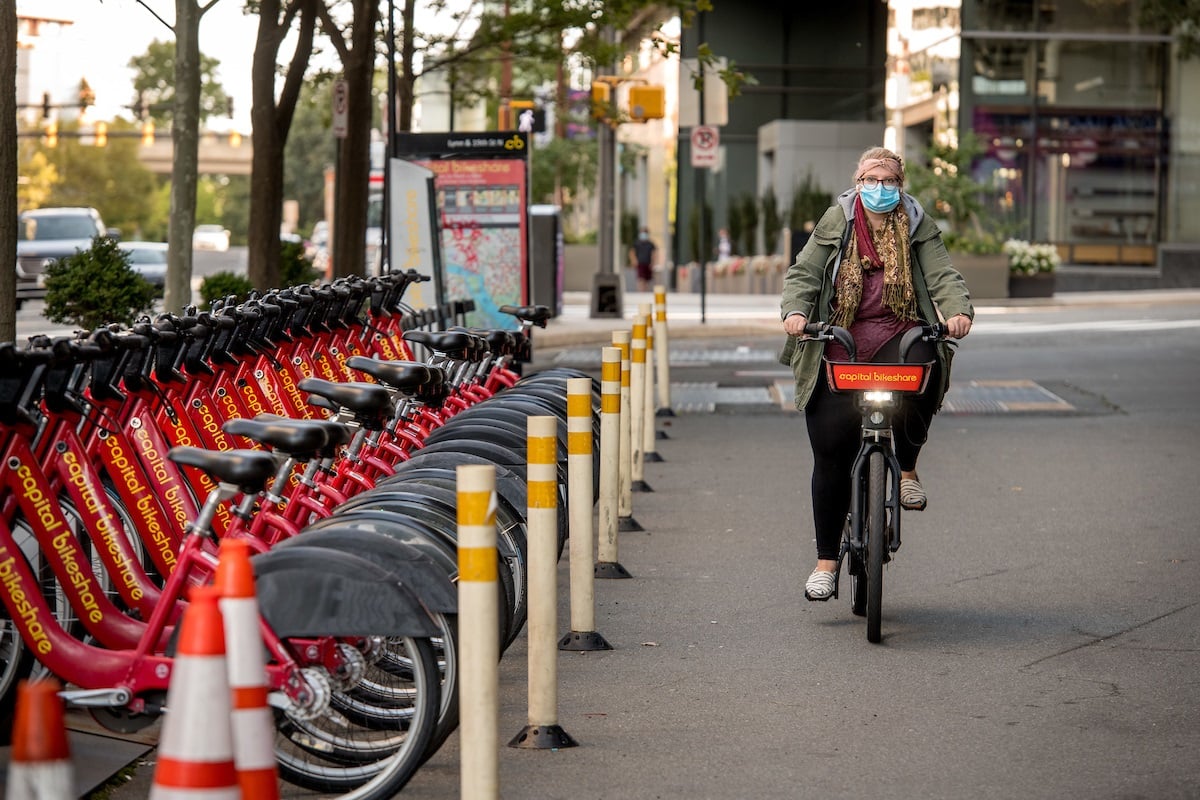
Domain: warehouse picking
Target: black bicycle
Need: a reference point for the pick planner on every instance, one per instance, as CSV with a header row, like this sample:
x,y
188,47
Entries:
x,y
872,531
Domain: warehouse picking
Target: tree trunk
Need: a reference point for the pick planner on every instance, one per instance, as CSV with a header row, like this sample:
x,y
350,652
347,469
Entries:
x,y
185,138
405,88
8,170
354,159
271,119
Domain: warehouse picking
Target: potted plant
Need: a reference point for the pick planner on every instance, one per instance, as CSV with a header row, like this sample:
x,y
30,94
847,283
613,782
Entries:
x,y
1031,268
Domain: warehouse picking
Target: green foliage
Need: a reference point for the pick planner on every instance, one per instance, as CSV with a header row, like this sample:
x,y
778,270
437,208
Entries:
x,y
109,178
220,285
154,83
294,268
809,202
629,228
96,287
1182,17
309,150
749,244
951,194
772,219
736,223
564,173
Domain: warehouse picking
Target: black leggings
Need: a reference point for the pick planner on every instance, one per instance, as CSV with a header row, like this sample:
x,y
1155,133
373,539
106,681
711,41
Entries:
x,y
835,431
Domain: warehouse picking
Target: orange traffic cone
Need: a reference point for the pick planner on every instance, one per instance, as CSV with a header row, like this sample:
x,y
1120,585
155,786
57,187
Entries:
x,y
253,722
195,751
40,767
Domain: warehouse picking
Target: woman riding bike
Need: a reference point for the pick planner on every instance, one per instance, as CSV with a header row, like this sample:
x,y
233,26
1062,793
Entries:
x,y
876,265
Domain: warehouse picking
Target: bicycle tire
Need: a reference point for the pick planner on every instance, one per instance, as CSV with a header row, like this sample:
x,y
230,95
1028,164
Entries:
x,y
858,576
877,543
402,749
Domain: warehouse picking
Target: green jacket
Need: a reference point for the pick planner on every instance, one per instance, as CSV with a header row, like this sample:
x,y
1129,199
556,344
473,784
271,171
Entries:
x,y
808,287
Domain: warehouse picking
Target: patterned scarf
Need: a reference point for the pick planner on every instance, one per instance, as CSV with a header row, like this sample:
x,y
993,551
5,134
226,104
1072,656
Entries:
x,y
889,250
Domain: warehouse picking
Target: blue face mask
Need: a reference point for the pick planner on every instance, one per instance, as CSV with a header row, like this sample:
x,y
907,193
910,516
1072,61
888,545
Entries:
x,y
881,199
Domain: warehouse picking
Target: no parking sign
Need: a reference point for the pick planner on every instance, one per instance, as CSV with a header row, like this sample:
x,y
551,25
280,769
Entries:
x,y
706,141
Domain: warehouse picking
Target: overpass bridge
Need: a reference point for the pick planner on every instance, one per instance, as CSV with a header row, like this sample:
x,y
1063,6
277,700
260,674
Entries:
x,y
218,155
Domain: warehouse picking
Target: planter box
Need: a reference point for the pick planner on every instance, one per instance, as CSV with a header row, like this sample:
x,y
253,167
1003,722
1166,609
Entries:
x,y
986,275
1039,285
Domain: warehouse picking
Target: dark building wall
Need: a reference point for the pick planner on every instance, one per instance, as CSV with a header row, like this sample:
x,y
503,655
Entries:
x,y
810,61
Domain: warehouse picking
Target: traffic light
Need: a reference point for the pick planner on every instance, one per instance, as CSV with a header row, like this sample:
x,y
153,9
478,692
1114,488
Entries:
x,y
527,117
601,99
647,102
101,134
148,133
52,135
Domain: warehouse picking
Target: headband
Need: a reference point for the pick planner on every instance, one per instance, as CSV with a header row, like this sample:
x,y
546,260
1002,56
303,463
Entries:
x,y
871,163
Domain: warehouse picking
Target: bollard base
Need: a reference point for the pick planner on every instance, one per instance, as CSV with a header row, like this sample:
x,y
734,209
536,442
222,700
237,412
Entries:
x,y
665,411
542,737
653,457
583,641
628,525
611,569
661,435
640,486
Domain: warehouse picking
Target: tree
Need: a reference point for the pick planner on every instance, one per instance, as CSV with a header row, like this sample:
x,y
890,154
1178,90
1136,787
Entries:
x,y
309,151
154,84
8,170
109,178
271,118
356,50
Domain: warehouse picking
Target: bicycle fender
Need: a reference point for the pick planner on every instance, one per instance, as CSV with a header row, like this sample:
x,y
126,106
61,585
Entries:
x,y
427,580
317,591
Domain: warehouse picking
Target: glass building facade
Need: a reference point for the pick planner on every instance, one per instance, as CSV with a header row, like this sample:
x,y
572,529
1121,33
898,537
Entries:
x,y
1085,117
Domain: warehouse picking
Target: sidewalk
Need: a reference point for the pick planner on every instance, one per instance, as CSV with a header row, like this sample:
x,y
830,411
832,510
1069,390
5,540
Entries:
x,y
747,314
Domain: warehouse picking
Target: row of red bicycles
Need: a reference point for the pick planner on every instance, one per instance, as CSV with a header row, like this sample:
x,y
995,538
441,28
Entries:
x,y
323,425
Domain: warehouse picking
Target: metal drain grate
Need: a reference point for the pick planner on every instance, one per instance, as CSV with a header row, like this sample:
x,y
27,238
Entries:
x,y
1003,397
681,357
703,398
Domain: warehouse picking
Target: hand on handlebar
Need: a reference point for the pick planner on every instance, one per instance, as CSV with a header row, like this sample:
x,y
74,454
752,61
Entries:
x,y
794,325
958,326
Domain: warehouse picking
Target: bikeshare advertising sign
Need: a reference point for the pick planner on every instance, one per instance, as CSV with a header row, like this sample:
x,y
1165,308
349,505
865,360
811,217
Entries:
x,y
481,190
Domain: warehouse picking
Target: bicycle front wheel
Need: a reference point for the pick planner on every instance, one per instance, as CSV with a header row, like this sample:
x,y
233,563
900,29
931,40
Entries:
x,y
877,542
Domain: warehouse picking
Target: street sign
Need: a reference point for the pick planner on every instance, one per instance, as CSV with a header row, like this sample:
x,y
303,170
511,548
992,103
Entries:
x,y
706,142
341,115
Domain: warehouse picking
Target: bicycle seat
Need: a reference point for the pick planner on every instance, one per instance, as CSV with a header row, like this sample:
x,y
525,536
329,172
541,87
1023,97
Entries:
x,y
536,314
369,402
450,344
406,376
249,470
293,437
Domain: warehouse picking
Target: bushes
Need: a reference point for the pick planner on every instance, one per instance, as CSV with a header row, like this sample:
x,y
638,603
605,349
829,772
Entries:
x,y
294,269
220,285
96,287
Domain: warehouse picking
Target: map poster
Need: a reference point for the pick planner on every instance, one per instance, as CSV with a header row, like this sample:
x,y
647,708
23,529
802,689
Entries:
x,y
481,198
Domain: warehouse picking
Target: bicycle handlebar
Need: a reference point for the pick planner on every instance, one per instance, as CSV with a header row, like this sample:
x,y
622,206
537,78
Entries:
x,y
823,331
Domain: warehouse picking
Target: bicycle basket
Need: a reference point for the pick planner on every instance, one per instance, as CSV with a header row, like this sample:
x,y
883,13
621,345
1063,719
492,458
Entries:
x,y
854,376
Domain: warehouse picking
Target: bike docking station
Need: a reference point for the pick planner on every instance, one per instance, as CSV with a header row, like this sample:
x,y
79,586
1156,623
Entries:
x,y
583,635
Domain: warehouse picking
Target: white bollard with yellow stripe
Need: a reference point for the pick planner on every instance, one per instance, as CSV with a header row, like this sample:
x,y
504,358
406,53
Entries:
x,y
637,404
649,449
478,628
583,635
662,353
607,564
625,520
542,731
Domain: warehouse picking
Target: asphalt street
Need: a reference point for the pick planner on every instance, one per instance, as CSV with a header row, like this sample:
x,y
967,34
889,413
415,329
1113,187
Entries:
x,y
1040,634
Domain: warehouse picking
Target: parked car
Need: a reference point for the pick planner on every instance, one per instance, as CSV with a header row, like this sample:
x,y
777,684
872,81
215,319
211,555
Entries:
x,y
210,237
44,235
149,259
